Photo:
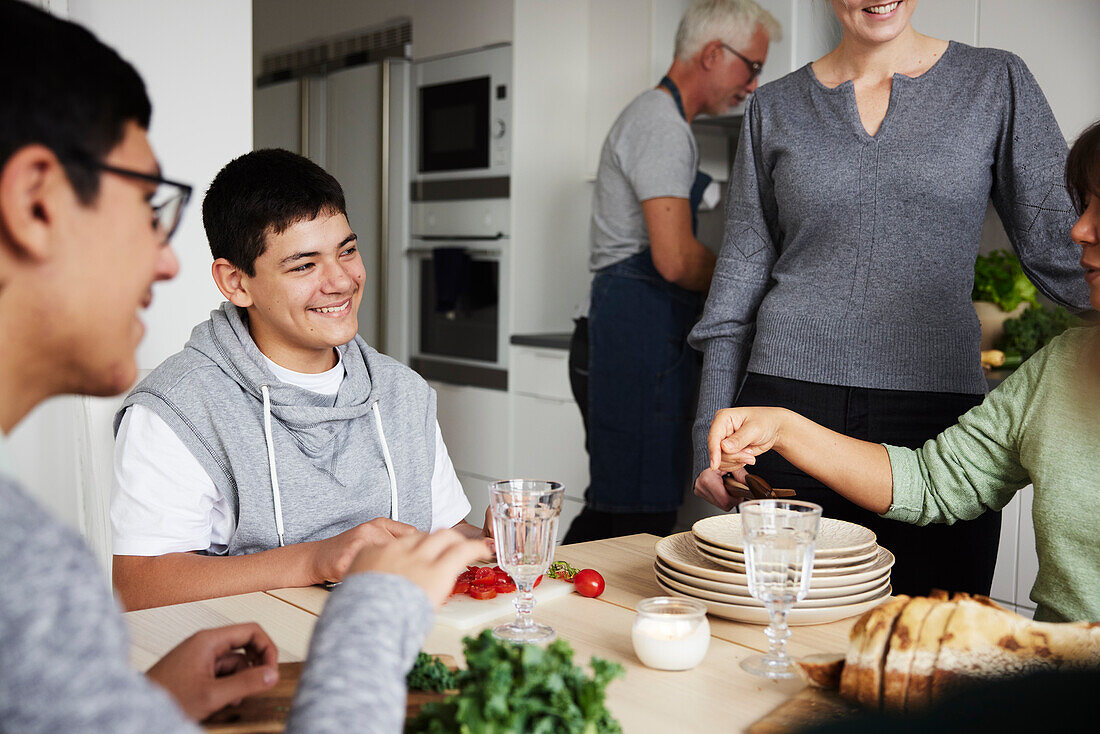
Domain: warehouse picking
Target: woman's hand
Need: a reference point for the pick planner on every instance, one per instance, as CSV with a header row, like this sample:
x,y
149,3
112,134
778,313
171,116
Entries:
x,y
738,435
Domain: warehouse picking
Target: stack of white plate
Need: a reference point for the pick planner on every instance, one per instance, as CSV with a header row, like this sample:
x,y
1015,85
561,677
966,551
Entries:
x,y
851,572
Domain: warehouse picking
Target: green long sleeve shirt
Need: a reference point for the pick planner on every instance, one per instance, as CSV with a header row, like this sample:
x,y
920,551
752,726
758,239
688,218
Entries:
x,y
1040,426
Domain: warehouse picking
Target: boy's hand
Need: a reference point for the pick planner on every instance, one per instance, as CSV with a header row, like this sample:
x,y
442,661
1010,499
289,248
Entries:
x,y
217,667
332,557
432,562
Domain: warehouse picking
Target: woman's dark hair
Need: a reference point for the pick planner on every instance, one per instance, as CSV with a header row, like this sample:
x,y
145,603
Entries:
x,y
62,88
1083,167
265,191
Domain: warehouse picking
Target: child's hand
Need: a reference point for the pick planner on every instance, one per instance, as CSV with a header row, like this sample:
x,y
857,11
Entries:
x,y
430,561
738,435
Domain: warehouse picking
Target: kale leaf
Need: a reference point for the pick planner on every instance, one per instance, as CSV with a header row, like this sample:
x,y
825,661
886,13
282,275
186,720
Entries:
x,y
1034,328
430,674
522,689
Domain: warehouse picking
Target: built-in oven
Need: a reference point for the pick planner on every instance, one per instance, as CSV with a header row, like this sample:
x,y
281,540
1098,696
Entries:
x,y
462,115
459,256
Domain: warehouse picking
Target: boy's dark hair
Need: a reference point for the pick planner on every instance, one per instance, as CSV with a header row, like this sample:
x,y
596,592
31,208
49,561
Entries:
x,y
62,88
1083,167
265,191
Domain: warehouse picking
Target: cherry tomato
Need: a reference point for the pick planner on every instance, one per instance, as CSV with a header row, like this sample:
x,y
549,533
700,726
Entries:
x,y
461,587
588,582
505,587
483,592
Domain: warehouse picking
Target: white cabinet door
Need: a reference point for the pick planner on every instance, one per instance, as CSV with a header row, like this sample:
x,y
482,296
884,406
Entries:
x,y
474,423
1004,576
1027,560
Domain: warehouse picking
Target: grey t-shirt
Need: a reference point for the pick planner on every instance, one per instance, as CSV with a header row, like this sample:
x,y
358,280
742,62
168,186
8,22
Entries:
x,y
649,152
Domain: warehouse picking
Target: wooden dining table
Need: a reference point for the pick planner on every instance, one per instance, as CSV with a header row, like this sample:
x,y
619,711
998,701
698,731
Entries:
x,y
717,695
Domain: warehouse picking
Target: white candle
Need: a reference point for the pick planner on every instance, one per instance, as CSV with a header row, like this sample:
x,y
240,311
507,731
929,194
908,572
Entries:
x,y
670,633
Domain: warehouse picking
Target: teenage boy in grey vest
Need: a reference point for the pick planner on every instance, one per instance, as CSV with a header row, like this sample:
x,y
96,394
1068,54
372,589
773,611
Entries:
x,y
277,443
83,237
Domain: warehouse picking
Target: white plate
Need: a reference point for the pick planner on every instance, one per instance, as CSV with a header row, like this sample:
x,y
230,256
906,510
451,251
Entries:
x,y
834,537
807,603
795,618
723,587
679,552
817,572
819,562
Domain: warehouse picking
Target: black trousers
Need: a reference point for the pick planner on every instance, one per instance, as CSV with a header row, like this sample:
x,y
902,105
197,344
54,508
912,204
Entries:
x,y
959,557
591,524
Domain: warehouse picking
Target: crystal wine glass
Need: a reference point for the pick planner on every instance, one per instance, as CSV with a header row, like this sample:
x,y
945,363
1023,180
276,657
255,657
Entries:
x,y
525,522
779,540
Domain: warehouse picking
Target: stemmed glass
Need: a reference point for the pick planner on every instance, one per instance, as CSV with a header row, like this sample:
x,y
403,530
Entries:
x,y
779,540
525,522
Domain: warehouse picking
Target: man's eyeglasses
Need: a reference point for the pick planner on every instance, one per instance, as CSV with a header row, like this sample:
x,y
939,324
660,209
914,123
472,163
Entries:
x,y
167,202
755,67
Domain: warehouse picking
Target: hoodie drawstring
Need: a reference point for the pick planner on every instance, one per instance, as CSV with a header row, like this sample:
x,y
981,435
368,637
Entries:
x,y
275,477
389,462
271,464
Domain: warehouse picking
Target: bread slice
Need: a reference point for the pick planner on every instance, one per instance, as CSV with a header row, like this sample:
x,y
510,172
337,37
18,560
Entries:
x,y
919,686
822,669
873,656
984,641
899,656
849,676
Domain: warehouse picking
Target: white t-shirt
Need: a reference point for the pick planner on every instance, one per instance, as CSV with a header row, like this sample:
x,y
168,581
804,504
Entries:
x,y
163,501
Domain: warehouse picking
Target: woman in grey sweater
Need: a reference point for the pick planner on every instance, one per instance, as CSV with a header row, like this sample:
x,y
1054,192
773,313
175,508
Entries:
x,y
843,286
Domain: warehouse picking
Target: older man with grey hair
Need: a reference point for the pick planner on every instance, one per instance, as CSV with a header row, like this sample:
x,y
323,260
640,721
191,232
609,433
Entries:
x,y
633,373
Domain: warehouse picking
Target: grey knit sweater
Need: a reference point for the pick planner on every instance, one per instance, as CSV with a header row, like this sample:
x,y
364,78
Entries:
x,y
848,259
64,656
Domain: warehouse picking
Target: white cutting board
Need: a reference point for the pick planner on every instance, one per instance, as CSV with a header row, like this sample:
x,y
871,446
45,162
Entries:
x,y
464,612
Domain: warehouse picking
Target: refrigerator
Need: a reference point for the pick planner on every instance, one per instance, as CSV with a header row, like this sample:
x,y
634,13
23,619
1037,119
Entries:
x,y
354,123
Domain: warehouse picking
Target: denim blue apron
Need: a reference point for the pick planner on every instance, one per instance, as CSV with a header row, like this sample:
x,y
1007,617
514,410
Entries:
x,y
642,381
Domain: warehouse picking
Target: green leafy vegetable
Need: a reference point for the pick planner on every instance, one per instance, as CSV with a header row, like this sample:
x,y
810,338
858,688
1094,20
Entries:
x,y
522,689
430,674
999,278
1033,330
562,571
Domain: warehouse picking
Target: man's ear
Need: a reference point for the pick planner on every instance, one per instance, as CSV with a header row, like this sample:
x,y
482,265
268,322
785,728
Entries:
x,y
231,282
33,189
711,54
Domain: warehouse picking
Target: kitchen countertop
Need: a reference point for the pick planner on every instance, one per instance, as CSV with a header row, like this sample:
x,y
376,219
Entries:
x,y
550,340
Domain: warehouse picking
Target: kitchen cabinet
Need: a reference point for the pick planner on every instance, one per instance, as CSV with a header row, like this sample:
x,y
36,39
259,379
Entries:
x,y
474,423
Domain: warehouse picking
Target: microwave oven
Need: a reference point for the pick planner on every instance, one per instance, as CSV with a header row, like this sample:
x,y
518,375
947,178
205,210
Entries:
x,y
462,116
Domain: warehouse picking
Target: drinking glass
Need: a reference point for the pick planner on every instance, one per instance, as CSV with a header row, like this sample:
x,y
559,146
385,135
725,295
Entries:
x,y
779,540
525,522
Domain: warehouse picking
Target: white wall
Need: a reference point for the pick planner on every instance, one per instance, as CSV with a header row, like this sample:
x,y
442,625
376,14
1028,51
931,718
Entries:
x,y
195,57
438,26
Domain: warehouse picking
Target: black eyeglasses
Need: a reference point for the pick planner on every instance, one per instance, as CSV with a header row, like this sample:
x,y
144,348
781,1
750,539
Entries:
x,y
167,202
755,67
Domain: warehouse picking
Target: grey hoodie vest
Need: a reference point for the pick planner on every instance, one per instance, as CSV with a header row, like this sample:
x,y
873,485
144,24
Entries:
x,y
320,468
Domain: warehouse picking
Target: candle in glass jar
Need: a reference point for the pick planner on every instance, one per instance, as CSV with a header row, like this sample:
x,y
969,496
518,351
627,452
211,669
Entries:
x,y
670,633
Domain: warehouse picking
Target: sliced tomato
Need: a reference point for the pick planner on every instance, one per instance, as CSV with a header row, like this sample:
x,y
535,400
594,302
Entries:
x,y
484,577
538,581
483,592
466,576
505,587
461,587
